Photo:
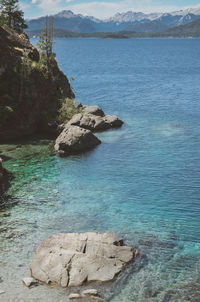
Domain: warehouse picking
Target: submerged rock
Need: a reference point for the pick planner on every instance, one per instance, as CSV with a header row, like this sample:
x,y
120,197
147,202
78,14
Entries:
x,y
29,281
95,123
74,296
90,292
74,140
75,259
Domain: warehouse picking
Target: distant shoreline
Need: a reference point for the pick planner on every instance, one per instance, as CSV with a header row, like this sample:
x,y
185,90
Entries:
x,y
62,34
120,38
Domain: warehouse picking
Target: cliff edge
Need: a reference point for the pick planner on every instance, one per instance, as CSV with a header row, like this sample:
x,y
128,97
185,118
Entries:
x,y
30,96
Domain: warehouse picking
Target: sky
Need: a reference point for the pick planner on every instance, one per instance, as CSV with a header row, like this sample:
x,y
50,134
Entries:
x,y
102,9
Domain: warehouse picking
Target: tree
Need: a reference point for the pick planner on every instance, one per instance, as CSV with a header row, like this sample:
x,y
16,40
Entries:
x,y
46,40
12,15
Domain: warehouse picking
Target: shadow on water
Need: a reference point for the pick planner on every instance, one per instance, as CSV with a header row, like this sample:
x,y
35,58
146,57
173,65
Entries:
x,y
7,202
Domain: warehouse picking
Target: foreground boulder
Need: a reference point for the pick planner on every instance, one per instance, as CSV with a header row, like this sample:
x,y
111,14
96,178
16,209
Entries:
x,y
95,123
74,140
75,259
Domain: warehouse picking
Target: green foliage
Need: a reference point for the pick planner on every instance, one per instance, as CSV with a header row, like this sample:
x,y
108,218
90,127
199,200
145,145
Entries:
x,y
68,110
12,15
71,80
2,19
45,42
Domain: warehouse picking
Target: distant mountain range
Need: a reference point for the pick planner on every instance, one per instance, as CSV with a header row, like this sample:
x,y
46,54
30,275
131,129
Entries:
x,y
129,21
191,29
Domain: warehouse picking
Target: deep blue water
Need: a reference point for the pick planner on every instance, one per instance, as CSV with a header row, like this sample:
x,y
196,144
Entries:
x,y
142,182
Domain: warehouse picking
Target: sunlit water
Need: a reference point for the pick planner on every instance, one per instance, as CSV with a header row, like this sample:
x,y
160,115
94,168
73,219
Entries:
x,y
142,182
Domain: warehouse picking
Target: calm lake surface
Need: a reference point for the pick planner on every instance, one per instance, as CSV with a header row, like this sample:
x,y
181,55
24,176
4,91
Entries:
x,y
142,182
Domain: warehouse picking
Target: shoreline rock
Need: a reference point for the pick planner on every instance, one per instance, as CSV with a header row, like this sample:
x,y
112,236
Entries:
x,y
74,140
95,110
73,259
95,123
76,136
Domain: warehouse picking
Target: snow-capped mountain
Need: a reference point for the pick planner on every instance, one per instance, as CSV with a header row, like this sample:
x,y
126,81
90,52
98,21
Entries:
x,y
66,19
194,11
68,14
132,17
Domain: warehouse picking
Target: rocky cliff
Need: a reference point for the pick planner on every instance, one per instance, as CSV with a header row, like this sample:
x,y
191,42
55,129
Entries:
x,y
30,96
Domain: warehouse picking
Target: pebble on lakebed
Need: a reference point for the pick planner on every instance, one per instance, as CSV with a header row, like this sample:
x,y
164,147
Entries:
x,y
28,281
74,296
91,294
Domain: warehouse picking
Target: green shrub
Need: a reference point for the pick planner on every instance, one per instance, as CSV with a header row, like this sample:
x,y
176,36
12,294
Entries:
x,y
68,110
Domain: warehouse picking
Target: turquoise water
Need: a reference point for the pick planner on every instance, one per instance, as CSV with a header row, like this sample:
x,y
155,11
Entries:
x,y
142,182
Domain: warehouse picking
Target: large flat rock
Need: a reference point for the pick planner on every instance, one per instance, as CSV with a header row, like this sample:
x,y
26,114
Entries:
x,y
75,259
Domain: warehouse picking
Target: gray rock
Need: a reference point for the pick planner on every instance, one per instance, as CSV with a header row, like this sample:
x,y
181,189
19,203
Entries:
x,y
74,296
2,292
113,121
73,259
95,123
90,292
95,110
74,140
29,281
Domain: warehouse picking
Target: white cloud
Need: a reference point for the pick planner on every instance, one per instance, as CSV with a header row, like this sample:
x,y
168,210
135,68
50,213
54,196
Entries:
x,y
24,6
100,9
107,9
49,6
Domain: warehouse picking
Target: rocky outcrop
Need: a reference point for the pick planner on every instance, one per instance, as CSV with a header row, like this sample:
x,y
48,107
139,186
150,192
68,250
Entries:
x,y
74,140
95,110
75,259
4,178
30,96
95,123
